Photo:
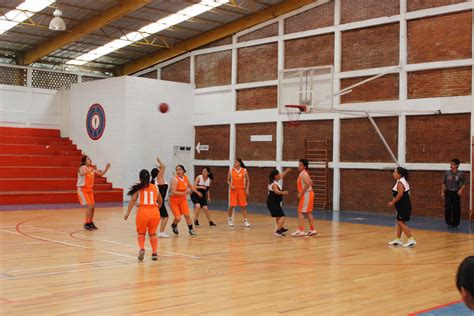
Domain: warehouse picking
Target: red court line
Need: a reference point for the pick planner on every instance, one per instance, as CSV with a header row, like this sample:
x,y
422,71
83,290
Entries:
x,y
434,308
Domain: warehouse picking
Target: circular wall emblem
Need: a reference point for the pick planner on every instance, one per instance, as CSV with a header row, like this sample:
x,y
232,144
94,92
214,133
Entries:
x,y
95,121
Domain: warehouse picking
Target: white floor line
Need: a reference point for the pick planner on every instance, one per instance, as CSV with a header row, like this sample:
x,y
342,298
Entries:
x,y
73,245
62,272
62,266
113,242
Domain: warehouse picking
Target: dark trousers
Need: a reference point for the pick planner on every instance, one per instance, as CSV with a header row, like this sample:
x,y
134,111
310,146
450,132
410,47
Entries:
x,y
452,208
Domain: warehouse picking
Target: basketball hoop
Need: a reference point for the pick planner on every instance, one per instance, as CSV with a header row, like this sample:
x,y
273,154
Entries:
x,y
293,112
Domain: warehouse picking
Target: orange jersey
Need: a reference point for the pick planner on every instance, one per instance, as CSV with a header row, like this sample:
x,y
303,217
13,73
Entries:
x,y
238,178
147,196
299,182
86,181
181,186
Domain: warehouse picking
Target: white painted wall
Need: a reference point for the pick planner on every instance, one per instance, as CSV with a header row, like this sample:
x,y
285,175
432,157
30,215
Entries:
x,y
136,132
29,107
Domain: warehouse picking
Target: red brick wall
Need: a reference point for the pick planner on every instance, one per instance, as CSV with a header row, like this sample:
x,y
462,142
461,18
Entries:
x,y
257,63
371,47
294,137
438,138
360,142
383,88
444,37
151,75
358,10
310,51
264,32
218,139
179,71
219,187
413,5
426,194
366,190
248,150
213,69
440,83
318,17
257,98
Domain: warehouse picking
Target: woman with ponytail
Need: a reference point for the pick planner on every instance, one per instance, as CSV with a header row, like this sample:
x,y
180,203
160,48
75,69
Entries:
x,y
401,201
85,183
202,184
148,201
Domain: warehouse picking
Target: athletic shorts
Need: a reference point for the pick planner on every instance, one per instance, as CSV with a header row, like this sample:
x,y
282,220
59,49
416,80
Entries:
x,y
179,207
306,202
147,219
237,197
85,196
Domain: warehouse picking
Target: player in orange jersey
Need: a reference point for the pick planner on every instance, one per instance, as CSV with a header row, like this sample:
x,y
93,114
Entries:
x,y
239,187
148,214
306,196
179,188
85,183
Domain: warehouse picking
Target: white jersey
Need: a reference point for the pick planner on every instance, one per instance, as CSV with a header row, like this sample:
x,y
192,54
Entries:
x,y
201,181
405,184
270,186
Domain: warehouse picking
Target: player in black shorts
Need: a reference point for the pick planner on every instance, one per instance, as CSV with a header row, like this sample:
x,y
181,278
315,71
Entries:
x,y
202,184
401,201
275,198
158,178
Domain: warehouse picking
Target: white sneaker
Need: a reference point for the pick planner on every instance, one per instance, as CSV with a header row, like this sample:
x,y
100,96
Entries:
x,y
163,235
298,233
311,233
246,223
396,242
410,243
230,222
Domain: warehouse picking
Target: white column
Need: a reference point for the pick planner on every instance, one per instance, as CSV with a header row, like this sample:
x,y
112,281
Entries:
x,y
29,77
336,187
335,160
192,68
402,139
337,50
234,75
232,142
403,81
158,73
279,142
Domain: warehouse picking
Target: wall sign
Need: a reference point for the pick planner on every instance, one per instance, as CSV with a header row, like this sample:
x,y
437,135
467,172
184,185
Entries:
x,y
261,138
95,121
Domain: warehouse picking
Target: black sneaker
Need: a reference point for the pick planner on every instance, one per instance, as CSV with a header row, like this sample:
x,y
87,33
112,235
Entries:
x,y
196,222
211,223
192,232
93,226
450,227
154,256
283,230
175,229
88,226
455,228
141,254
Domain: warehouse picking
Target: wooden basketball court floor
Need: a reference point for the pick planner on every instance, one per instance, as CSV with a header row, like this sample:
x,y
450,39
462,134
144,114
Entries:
x,y
51,266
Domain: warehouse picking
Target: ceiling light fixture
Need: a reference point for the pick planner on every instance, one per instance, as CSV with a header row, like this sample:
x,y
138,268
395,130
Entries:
x,y
57,23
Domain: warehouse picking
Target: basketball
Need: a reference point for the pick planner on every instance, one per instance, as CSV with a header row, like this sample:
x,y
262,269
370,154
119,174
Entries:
x,y
163,107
